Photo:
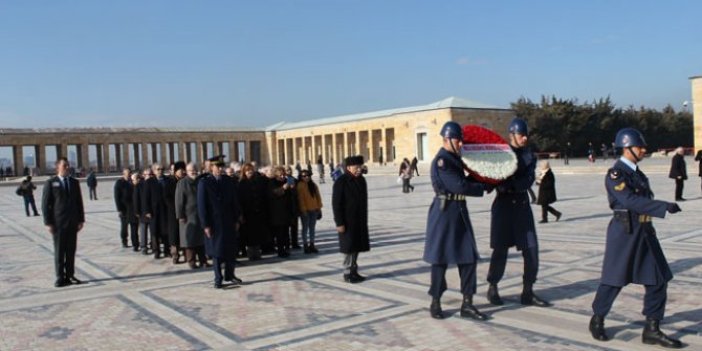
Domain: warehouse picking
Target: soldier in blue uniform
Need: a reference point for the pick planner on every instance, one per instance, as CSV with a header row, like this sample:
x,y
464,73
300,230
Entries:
x,y
512,222
450,238
633,253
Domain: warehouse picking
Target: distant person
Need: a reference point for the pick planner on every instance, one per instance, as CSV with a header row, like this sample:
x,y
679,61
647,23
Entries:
x,y
91,181
604,150
26,190
590,153
678,171
62,207
698,158
192,237
413,167
547,192
406,172
320,169
566,154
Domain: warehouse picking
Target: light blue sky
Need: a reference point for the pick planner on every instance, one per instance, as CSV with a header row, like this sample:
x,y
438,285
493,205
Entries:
x,y
254,63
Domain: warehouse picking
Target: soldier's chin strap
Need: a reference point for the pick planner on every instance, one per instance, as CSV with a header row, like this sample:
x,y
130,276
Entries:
x,y
631,150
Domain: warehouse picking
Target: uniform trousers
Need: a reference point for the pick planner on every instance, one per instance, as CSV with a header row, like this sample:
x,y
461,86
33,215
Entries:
x,y
143,235
438,279
654,300
65,252
29,201
350,264
679,184
228,269
498,262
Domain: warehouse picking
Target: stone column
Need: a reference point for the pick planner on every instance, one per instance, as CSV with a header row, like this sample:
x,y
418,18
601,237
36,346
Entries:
x,y
106,158
166,157
383,138
62,151
232,151
40,158
370,146
145,155
201,152
181,151
18,159
84,156
98,154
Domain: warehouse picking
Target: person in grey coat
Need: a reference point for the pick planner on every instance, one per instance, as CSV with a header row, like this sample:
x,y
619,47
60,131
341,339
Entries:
x,y
192,238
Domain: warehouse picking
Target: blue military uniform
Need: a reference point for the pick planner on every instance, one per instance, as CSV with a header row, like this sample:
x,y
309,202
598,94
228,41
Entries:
x,y
449,235
633,253
512,222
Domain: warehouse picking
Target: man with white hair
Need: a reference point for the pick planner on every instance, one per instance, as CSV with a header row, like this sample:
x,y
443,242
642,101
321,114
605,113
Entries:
x,y
678,171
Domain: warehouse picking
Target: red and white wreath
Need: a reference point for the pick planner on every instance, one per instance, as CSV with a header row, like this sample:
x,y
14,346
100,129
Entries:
x,y
487,156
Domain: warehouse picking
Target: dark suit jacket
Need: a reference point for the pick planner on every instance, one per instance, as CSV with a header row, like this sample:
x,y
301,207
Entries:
x,y
678,167
61,210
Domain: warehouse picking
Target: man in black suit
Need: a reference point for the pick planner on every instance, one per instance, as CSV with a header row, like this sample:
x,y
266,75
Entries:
x,y
62,207
678,171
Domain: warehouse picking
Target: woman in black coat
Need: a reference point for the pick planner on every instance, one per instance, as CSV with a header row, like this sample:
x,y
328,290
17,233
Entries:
x,y
253,188
280,209
547,192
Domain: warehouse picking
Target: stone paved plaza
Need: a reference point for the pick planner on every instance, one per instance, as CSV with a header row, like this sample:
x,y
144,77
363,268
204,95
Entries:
x,y
131,301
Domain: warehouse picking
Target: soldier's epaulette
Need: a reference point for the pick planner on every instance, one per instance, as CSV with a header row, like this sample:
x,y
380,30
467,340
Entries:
x,y
614,174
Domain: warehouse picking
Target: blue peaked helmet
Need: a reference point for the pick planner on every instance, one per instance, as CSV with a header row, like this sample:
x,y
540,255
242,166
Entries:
x,y
518,126
452,130
629,137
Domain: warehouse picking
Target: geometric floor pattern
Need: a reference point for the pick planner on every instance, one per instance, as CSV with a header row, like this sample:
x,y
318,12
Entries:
x,y
133,302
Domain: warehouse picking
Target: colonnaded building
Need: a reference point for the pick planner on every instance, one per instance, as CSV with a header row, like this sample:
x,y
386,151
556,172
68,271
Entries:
x,y
381,137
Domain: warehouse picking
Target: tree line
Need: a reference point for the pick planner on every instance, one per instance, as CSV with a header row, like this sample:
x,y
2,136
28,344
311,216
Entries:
x,y
554,122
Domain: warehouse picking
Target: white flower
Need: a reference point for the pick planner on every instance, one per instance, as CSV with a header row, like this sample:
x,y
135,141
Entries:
x,y
494,161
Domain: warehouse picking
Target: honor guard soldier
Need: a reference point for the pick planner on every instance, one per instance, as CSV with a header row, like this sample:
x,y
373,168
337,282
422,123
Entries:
x,y
449,235
633,253
512,222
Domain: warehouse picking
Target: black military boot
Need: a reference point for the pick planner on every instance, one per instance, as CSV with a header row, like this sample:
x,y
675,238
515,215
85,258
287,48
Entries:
x,y
435,309
469,311
530,299
597,328
358,277
493,296
653,335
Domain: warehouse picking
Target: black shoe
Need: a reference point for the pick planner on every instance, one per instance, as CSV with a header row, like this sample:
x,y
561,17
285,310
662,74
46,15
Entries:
x,y
217,285
284,254
435,309
136,248
350,278
36,214
296,246
144,252
234,279
558,216
543,221
359,277
306,250
652,335
493,296
469,311
597,328
74,280
124,245
313,249
680,199
60,283
530,299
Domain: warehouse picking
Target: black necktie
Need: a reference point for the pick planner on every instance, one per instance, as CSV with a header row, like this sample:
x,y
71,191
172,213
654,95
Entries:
x,y
65,185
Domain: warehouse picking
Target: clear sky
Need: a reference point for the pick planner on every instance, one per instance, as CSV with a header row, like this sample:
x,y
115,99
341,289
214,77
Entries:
x,y
255,63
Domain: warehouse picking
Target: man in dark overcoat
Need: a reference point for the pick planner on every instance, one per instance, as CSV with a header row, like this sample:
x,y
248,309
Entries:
x,y
350,206
169,194
154,205
512,222
220,215
123,192
678,171
449,235
192,238
633,253
62,208
139,201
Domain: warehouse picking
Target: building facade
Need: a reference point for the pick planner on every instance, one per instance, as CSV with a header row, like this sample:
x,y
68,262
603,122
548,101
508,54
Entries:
x,y
381,137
